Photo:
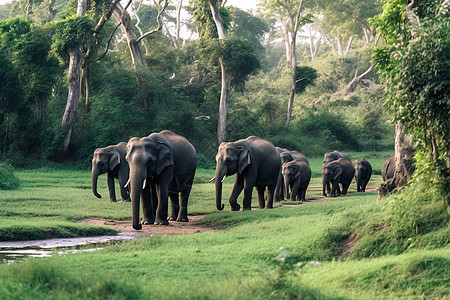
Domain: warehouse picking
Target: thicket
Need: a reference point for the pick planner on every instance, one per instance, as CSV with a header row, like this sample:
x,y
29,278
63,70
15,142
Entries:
x,y
34,95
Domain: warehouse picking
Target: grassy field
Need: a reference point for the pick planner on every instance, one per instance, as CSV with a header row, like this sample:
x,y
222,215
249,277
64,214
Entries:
x,y
293,252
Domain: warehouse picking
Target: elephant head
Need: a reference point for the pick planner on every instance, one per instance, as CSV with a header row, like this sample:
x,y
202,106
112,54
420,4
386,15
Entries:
x,y
104,160
335,155
146,158
291,174
230,159
330,173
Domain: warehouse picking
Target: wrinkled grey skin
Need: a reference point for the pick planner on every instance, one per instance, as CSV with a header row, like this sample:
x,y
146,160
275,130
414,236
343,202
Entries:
x,y
335,155
286,156
330,156
162,165
111,160
255,162
388,168
363,172
337,172
296,175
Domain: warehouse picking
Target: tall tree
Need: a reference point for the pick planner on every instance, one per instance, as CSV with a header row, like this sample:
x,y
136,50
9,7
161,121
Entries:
x,y
74,85
135,41
415,63
292,15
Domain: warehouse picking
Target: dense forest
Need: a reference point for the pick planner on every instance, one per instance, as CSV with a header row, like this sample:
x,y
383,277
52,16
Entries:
x,y
313,76
155,66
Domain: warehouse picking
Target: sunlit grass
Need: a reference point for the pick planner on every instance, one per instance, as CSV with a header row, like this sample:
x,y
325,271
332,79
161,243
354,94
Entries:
x,y
239,261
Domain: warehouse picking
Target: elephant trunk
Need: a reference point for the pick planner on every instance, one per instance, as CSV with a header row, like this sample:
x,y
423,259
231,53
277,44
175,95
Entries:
x,y
136,184
219,204
358,178
95,174
324,185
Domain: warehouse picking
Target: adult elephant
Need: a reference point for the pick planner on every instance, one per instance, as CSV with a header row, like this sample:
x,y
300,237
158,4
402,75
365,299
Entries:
x,y
335,155
111,160
329,157
296,175
255,162
286,156
161,165
363,172
337,172
388,168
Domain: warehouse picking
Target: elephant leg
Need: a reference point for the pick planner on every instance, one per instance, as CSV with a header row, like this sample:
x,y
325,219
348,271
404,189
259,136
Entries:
x,y
154,199
175,206
147,209
111,188
270,196
345,188
279,189
182,214
161,211
237,189
248,190
328,188
302,194
123,190
261,201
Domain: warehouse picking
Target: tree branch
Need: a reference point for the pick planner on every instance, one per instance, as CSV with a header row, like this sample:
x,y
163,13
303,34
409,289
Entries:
x,y
158,19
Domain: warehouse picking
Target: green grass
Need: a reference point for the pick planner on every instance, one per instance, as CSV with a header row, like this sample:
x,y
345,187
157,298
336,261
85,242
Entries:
x,y
242,260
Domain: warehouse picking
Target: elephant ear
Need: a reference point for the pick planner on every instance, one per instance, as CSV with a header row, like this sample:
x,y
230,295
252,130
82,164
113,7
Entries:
x,y
165,157
243,160
337,172
114,160
297,173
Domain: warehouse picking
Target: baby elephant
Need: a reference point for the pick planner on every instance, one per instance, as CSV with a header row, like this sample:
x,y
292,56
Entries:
x,y
296,175
363,172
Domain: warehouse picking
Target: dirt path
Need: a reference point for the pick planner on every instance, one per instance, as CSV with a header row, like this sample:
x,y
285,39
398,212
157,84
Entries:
x,y
173,228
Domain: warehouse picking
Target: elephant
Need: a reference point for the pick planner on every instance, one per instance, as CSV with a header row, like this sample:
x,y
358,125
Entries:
x,y
255,162
162,165
388,168
286,156
111,160
297,175
335,155
330,156
363,172
335,172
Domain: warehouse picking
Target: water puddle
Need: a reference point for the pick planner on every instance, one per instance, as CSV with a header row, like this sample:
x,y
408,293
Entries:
x,y
21,250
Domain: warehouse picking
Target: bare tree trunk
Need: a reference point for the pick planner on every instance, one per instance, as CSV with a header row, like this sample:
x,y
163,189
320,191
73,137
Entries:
x,y
313,45
178,28
404,162
351,86
287,44
340,47
74,84
224,92
134,47
294,23
349,44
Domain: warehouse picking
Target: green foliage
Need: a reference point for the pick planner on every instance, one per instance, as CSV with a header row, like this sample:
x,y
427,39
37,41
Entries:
x,y
305,76
8,181
415,64
71,33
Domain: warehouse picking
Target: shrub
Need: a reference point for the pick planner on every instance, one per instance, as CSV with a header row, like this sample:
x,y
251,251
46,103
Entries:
x,y
8,181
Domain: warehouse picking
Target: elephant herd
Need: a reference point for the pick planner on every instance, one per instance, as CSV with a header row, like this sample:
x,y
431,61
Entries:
x,y
152,169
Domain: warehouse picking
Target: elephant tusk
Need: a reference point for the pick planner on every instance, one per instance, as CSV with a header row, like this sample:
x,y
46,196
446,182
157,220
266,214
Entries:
x,y
145,183
225,176
212,179
127,184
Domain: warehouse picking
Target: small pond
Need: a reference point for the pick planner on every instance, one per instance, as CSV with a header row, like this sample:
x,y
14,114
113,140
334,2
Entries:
x,y
20,250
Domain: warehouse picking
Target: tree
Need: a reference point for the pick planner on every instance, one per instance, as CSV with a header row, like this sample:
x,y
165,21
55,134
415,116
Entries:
x,y
290,15
415,63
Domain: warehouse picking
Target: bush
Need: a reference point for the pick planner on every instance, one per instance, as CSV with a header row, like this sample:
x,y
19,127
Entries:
x,y
8,181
